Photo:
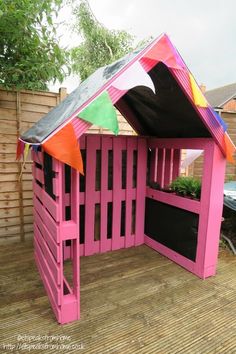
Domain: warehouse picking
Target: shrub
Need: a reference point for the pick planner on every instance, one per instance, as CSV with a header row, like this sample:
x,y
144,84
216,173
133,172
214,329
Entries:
x,y
186,187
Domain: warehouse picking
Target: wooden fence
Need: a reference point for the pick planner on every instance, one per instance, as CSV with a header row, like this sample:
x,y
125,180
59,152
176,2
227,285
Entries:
x,y
19,110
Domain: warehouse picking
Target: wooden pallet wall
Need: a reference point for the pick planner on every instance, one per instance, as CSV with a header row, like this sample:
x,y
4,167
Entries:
x,y
19,110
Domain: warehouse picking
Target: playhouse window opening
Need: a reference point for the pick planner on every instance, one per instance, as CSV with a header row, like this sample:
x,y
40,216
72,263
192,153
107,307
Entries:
x,y
122,221
67,269
133,229
49,174
110,169
39,183
135,159
82,178
109,219
148,176
81,223
124,168
67,213
98,170
67,171
38,165
97,222
39,200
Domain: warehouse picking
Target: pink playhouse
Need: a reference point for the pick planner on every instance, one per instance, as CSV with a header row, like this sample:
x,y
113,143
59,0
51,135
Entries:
x,y
96,193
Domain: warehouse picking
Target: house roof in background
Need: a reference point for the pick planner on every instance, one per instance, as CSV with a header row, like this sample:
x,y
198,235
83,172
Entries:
x,y
219,96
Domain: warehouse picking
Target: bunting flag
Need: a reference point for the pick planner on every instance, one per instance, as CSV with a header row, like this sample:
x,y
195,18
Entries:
x,y
135,75
198,96
163,51
19,149
64,146
101,112
229,149
220,120
26,151
190,157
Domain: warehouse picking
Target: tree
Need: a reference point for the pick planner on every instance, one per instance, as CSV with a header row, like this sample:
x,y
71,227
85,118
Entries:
x,y
99,46
30,56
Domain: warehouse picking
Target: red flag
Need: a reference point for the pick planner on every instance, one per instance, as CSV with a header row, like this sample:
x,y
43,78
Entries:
x,y
19,149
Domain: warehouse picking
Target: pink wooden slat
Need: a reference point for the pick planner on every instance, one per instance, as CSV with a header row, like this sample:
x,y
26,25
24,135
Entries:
x,y
106,195
117,170
75,195
93,143
109,196
211,211
59,167
49,258
174,200
183,143
47,272
47,287
47,236
176,163
168,167
47,201
38,174
47,219
131,146
161,167
141,191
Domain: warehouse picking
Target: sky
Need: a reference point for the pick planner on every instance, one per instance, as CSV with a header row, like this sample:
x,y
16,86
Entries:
x,y
203,31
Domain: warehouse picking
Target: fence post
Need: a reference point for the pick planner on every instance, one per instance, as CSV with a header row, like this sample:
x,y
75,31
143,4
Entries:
x,y
20,187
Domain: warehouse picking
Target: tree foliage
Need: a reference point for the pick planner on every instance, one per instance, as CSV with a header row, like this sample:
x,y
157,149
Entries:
x,y
99,46
30,56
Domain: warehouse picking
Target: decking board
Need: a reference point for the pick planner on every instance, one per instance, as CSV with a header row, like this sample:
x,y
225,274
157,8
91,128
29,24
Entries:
x,y
132,301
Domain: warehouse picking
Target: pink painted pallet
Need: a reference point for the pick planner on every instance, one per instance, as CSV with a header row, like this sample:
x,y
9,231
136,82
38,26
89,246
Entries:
x,y
105,209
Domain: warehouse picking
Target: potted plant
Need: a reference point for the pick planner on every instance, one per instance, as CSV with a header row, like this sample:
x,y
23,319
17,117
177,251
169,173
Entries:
x,y
186,187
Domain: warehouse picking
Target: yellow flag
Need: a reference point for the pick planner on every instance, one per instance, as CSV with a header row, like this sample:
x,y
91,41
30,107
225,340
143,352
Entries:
x,y
198,97
26,151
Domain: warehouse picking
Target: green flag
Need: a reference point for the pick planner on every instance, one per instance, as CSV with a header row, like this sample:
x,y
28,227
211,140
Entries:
x,y
102,113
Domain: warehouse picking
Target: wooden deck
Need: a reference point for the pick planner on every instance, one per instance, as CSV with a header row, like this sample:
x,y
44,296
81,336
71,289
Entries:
x,y
132,301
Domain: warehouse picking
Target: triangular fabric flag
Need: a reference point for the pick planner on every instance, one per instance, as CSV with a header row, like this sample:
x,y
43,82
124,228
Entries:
x,y
191,155
229,149
198,96
26,151
163,51
64,147
35,147
102,113
220,120
19,149
135,75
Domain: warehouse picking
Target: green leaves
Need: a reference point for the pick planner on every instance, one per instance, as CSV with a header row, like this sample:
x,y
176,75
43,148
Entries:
x,y
30,55
186,187
99,46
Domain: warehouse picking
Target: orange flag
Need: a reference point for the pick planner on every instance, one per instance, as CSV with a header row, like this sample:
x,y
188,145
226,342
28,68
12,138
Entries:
x,y
229,148
64,147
